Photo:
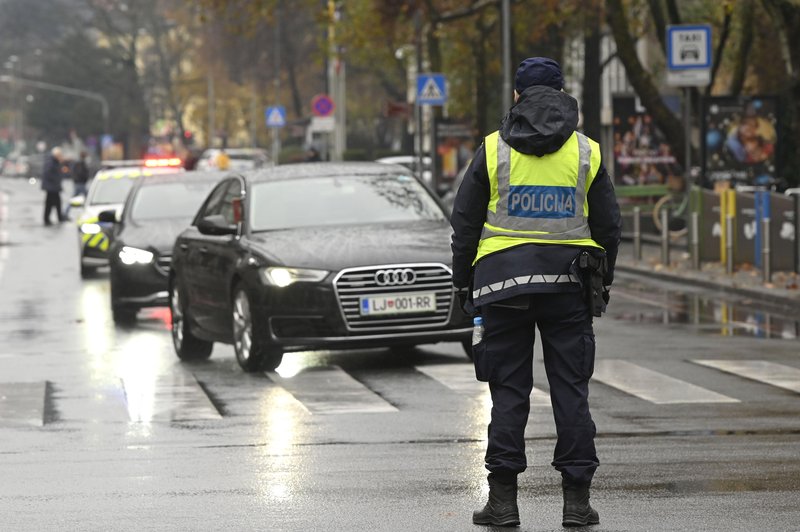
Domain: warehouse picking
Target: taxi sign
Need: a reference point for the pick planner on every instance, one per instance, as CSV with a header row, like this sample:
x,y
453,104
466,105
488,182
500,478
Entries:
x,y
689,55
275,116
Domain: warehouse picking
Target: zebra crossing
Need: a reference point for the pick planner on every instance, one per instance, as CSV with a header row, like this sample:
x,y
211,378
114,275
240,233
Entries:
x,y
177,395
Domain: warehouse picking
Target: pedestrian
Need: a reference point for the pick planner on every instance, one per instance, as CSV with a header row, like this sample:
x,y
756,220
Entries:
x,y
80,176
51,184
312,155
536,227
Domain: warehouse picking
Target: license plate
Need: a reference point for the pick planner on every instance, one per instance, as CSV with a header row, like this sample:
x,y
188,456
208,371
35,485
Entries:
x,y
411,303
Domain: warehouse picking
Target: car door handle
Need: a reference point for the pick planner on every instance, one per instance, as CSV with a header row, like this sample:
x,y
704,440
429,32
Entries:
x,y
203,249
183,247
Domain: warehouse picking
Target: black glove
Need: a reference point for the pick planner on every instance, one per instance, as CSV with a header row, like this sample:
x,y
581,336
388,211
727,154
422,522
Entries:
x,y
606,294
464,301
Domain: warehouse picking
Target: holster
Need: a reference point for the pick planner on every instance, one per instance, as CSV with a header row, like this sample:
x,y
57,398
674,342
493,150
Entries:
x,y
594,269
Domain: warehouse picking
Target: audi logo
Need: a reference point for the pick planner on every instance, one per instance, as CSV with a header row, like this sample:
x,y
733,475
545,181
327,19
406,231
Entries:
x,y
398,276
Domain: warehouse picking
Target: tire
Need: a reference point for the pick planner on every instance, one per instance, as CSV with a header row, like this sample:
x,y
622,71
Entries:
x,y
467,346
662,203
251,352
87,271
123,315
187,346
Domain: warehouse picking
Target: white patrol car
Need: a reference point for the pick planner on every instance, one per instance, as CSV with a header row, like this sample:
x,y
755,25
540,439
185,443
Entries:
x,y
108,191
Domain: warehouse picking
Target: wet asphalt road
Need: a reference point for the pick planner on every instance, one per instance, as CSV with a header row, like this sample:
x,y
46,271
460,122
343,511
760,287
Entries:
x,y
696,400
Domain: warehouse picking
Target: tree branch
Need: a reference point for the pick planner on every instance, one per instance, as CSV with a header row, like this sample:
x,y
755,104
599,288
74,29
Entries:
x,y
642,81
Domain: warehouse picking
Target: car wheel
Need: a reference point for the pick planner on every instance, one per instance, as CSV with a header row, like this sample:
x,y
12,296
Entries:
x,y
187,346
251,353
87,271
123,315
467,346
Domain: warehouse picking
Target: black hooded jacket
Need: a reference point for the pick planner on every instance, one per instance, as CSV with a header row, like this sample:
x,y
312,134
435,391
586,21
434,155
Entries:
x,y
539,123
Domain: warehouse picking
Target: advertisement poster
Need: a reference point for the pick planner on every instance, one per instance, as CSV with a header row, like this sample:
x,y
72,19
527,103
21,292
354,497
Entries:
x,y
642,155
454,150
741,141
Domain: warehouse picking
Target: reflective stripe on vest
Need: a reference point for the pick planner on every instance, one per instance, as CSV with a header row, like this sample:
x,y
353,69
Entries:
x,y
551,213
523,280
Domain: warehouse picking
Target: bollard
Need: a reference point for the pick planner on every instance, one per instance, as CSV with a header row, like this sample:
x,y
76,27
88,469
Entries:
x,y
637,234
665,236
696,240
797,234
766,266
729,244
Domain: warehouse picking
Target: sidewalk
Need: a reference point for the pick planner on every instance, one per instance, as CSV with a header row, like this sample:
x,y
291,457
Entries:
x,y
784,290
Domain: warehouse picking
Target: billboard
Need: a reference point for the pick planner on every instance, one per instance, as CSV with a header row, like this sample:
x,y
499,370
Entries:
x,y
642,155
740,140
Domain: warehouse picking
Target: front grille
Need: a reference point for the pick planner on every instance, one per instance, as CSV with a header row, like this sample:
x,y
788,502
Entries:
x,y
163,263
354,283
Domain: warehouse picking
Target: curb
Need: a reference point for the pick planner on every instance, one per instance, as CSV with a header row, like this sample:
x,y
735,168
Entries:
x,y
752,293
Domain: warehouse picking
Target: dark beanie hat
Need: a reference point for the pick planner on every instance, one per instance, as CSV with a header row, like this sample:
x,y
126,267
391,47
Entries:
x,y
538,71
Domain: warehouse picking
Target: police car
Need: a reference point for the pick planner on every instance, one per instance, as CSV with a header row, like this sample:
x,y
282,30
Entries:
x,y
108,191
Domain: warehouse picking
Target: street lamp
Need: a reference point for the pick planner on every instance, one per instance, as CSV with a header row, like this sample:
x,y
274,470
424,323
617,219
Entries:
x,y
96,96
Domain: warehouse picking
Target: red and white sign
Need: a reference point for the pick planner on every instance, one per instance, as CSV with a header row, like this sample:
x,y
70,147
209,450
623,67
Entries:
x,y
322,105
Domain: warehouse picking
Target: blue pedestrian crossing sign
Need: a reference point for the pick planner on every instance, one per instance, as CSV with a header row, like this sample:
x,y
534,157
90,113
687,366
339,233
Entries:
x,y
275,116
431,89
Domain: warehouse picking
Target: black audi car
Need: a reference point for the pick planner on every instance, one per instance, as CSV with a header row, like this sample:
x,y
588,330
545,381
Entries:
x,y
157,209
308,256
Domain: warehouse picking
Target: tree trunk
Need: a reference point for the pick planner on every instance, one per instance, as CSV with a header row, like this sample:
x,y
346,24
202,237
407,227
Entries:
x,y
746,12
660,25
481,90
786,16
641,80
592,73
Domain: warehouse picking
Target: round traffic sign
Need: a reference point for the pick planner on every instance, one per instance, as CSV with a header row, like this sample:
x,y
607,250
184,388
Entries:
x,y
322,105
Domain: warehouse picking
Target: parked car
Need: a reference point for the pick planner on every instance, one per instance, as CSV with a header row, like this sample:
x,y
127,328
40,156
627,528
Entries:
x,y
241,159
309,256
157,209
412,163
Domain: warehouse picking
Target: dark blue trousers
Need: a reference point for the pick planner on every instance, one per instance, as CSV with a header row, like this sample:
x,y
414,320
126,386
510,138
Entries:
x,y
565,326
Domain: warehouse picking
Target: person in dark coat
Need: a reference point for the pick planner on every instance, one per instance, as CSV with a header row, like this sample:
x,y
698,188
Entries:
x,y
51,184
80,176
536,227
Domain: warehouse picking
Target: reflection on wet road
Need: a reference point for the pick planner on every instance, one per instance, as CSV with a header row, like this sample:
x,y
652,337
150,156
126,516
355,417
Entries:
x,y
710,312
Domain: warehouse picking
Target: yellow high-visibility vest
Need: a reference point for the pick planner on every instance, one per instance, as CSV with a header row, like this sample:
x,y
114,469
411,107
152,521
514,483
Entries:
x,y
539,200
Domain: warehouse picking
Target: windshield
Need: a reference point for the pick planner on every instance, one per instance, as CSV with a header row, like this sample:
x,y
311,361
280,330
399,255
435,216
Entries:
x,y
110,191
340,200
169,200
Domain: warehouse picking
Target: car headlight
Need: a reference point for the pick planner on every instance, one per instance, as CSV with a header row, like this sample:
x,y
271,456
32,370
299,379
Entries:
x,y
129,255
90,229
281,277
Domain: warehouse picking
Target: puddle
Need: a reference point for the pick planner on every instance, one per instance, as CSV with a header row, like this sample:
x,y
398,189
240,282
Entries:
x,y
711,313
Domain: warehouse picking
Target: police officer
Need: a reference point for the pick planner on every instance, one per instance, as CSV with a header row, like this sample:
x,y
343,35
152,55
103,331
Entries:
x,y
536,229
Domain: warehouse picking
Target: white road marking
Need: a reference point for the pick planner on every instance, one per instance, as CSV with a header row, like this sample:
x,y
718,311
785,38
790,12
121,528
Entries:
x,y
785,377
22,403
653,386
331,390
3,233
174,397
461,379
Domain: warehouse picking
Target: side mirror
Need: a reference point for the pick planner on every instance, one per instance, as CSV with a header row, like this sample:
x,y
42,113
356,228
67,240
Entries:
x,y
109,216
216,225
77,201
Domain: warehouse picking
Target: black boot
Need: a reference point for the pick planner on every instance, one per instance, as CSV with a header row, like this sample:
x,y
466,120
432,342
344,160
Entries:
x,y
501,509
577,510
